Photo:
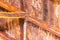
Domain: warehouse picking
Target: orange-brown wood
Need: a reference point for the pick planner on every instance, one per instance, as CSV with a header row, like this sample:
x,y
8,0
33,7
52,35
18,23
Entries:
x,y
39,23
9,7
12,15
45,26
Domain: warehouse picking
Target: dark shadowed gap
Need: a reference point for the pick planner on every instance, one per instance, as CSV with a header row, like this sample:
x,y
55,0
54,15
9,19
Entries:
x,y
2,9
45,10
21,23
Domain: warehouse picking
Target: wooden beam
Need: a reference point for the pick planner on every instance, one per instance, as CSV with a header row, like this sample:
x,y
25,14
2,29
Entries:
x,y
9,7
12,12
45,26
12,15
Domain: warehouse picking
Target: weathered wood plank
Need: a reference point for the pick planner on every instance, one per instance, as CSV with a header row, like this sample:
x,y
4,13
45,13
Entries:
x,y
9,7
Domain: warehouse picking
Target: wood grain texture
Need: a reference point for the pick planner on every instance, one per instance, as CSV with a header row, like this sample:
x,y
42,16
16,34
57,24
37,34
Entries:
x,y
9,7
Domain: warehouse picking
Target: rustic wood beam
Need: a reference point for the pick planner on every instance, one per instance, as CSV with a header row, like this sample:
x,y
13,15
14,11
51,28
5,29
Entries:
x,y
9,7
45,26
12,12
12,15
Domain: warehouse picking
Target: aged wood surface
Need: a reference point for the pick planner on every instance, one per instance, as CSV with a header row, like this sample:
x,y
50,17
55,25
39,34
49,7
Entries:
x,y
43,20
9,7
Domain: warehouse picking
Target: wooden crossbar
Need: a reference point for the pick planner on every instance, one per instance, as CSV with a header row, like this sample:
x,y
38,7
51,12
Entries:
x,y
45,26
9,7
12,15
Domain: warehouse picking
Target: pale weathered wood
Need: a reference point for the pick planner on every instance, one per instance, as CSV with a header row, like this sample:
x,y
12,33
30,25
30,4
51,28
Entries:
x,y
4,35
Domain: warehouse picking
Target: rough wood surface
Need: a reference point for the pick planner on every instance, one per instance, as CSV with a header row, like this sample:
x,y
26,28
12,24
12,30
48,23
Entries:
x,y
42,23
